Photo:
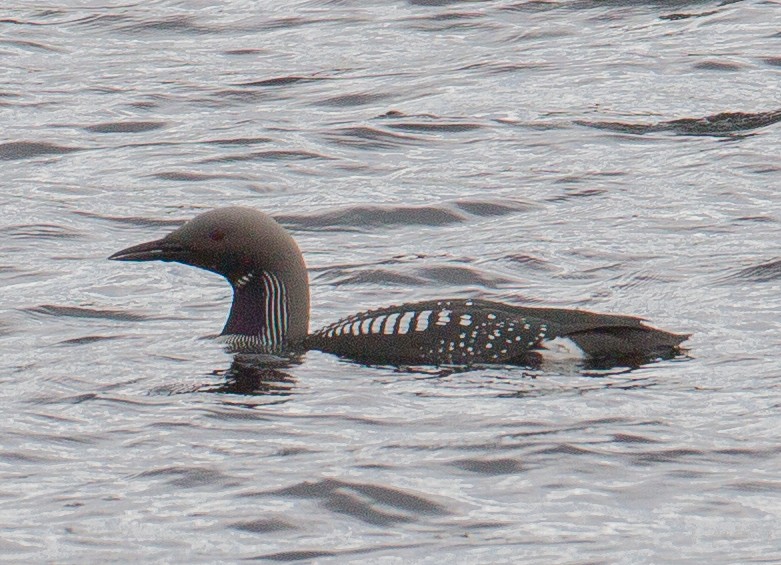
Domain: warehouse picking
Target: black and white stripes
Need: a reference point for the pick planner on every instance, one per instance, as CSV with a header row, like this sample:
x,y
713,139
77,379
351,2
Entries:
x,y
260,316
273,334
435,332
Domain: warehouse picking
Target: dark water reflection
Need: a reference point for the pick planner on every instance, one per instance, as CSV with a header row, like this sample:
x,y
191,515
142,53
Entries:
x,y
248,377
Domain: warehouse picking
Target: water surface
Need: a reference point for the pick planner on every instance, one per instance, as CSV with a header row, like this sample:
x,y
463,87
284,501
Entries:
x,y
618,156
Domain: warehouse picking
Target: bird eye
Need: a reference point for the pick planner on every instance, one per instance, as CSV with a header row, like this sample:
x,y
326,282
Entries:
x,y
216,235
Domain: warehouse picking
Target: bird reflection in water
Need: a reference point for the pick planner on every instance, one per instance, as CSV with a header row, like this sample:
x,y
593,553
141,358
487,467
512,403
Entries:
x,y
255,375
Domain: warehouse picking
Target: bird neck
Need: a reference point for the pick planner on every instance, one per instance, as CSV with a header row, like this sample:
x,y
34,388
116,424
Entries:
x,y
261,311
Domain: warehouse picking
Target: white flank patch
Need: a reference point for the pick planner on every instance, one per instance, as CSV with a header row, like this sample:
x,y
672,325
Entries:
x,y
560,350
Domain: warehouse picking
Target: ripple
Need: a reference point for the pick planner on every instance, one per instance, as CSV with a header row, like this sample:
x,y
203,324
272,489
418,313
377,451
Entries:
x,y
313,554
566,449
632,438
17,458
76,312
385,277
493,208
125,127
72,399
758,486
529,261
453,21
686,16
374,216
719,66
6,328
373,504
87,340
351,100
461,276
271,155
132,220
190,477
243,141
371,216
427,123
438,3
17,150
500,67
489,466
718,125
40,231
764,272
368,137
284,81
100,21
294,22
186,176
664,456
439,127
262,526
174,24
533,6
30,46
298,555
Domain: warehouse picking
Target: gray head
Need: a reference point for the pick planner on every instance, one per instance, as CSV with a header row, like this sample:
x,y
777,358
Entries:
x,y
257,256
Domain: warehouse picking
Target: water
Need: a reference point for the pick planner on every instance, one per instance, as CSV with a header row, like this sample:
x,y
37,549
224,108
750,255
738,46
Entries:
x,y
619,156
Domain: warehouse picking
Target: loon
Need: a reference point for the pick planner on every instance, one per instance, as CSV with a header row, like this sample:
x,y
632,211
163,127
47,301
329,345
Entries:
x,y
270,309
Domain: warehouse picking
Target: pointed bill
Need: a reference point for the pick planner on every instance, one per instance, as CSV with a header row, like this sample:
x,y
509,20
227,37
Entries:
x,y
158,250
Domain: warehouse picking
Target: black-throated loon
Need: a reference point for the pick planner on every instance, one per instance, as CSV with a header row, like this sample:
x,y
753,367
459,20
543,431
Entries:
x,y
270,310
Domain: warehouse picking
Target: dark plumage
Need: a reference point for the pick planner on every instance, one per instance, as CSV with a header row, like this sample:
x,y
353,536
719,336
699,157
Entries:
x,y
270,310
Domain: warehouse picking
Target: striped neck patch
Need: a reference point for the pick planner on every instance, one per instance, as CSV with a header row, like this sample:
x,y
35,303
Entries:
x,y
262,298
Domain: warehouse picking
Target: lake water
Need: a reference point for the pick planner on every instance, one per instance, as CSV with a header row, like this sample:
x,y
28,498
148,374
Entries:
x,y
618,156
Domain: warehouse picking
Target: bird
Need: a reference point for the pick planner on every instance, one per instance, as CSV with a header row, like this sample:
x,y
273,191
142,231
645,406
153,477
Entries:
x,y
269,313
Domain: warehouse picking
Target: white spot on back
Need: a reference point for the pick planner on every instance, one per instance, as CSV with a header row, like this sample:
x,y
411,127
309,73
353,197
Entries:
x,y
443,317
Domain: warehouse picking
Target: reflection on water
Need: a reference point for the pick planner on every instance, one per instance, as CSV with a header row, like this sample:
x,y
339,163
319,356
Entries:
x,y
248,374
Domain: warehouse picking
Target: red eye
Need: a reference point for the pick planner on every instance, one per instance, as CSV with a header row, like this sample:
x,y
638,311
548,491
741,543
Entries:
x,y
217,235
